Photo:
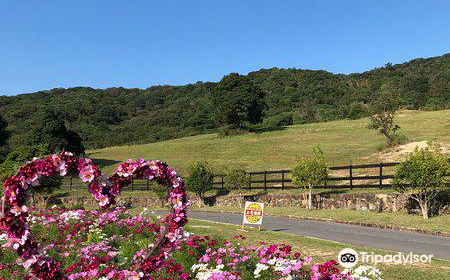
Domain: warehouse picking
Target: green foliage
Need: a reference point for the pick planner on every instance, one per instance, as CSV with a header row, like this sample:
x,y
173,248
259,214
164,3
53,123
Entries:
x,y
200,179
18,157
422,176
310,171
237,101
47,129
237,178
282,119
384,108
3,137
118,116
160,191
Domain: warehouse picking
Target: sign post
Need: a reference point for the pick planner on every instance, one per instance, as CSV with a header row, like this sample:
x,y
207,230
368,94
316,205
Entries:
x,y
253,214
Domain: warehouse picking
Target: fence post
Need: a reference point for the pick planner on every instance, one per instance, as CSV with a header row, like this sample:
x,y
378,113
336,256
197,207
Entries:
x,y
381,176
282,179
265,180
132,183
250,180
70,186
147,183
351,177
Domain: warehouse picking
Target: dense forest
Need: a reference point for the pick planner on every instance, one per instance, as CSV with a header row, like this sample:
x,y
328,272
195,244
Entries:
x,y
117,116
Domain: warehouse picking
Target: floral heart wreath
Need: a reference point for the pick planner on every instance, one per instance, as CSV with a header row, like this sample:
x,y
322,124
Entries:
x,y
13,219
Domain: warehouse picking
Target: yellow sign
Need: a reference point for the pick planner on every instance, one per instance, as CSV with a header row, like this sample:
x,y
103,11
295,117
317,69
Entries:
x,y
253,213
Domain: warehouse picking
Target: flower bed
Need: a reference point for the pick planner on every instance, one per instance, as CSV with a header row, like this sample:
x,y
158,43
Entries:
x,y
59,244
14,212
108,244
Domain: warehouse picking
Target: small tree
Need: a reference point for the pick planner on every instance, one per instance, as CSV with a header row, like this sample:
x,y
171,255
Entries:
x,y
200,180
310,171
422,177
160,191
236,180
384,108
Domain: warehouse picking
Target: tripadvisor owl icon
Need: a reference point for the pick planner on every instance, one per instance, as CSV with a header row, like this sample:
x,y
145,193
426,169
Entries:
x,y
348,258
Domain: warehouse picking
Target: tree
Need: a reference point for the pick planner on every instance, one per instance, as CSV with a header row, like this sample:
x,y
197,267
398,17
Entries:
x,y
422,177
384,109
3,137
160,191
310,171
236,180
200,180
237,100
18,157
47,129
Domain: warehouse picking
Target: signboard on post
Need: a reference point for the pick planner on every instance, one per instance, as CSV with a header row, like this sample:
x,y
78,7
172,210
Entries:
x,y
253,213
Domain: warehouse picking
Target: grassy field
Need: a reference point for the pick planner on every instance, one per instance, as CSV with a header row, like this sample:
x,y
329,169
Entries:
x,y
323,250
344,142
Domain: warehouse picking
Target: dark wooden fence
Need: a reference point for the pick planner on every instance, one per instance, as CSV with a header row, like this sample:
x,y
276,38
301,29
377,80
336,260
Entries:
x,y
347,176
136,185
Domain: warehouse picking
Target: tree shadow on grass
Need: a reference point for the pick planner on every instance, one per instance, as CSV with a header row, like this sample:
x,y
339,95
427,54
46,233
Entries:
x,y
268,129
101,163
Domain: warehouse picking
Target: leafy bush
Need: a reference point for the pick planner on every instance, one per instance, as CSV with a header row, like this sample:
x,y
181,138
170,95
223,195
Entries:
x,y
236,180
422,177
310,171
282,119
160,191
200,180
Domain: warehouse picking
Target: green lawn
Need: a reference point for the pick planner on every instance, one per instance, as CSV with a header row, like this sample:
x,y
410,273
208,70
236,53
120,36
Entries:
x,y
323,250
438,223
344,142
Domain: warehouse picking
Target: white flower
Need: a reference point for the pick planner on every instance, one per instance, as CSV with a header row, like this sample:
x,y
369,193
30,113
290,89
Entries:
x,y
364,272
260,267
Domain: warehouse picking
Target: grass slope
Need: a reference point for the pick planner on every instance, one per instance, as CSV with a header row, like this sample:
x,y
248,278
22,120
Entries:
x,y
344,142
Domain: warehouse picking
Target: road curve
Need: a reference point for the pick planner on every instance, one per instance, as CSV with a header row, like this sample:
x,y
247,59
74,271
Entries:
x,y
377,238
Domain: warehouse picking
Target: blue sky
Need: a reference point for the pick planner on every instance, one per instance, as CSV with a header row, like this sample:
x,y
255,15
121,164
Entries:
x,y
48,44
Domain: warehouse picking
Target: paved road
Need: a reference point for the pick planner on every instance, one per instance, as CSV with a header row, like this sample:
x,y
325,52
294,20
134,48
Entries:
x,y
361,236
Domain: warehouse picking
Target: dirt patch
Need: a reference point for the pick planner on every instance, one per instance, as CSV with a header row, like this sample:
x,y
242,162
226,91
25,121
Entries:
x,y
399,153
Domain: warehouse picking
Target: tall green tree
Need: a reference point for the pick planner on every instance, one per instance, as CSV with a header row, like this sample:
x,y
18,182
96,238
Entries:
x,y
237,101
47,129
384,108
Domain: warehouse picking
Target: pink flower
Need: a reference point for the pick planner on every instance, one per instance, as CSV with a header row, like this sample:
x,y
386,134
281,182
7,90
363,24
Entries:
x,y
87,174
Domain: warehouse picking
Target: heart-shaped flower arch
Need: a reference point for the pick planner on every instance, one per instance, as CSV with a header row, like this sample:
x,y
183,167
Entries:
x,y
13,219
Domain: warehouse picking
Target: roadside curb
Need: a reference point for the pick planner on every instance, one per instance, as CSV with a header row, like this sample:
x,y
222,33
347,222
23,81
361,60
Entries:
x,y
362,224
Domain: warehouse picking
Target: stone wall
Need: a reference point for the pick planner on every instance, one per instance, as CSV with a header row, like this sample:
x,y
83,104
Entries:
x,y
364,202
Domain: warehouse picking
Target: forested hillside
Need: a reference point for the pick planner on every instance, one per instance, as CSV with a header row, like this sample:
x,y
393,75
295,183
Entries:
x,y
117,116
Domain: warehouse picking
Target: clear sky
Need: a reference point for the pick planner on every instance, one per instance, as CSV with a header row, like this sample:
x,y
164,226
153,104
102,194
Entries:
x,y
48,44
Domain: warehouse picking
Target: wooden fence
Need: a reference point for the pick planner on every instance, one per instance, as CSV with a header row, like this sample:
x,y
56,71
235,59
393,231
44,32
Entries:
x,y
348,176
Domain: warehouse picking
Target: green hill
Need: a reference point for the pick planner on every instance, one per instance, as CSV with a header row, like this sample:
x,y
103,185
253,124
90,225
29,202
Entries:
x,y
118,116
344,142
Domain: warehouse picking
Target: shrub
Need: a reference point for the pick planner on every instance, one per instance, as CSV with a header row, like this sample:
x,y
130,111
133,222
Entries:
x,y
422,177
283,119
236,180
160,191
310,171
200,180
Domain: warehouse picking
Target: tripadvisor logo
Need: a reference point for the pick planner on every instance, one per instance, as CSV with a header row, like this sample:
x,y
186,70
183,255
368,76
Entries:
x,y
348,258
